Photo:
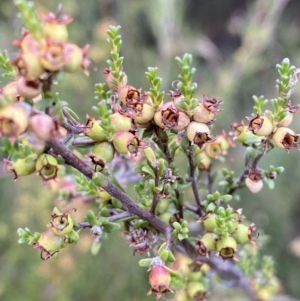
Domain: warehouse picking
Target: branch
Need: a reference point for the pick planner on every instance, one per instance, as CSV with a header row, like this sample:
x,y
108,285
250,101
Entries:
x,y
71,159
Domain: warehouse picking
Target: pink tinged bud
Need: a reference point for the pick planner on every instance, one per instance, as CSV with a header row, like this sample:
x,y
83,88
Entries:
x,y
49,244
147,99
52,56
73,57
201,114
61,224
292,110
55,27
28,88
198,133
244,234
47,167
120,122
287,120
159,279
56,32
42,125
260,125
14,119
144,115
285,138
226,247
169,117
21,167
29,66
129,95
28,44
110,78
10,92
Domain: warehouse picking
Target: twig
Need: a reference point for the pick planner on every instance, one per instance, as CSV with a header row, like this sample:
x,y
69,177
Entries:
x,y
71,119
156,194
84,225
83,142
191,208
209,181
120,216
72,129
240,180
193,180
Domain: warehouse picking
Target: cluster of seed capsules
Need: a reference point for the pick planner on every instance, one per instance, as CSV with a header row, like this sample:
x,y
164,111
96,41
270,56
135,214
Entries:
x,y
40,58
135,112
224,231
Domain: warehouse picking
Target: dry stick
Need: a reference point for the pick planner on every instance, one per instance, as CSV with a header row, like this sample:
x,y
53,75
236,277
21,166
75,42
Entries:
x,y
113,190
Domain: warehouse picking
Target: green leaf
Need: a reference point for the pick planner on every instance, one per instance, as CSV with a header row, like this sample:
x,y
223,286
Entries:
x,y
91,218
111,227
95,248
73,236
182,236
148,170
72,113
145,263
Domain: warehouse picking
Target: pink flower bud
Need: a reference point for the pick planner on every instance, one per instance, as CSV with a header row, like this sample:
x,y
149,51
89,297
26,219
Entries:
x,y
42,125
28,88
159,279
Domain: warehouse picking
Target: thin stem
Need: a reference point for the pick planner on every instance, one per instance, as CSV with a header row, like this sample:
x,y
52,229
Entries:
x,y
84,225
240,180
120,216
83,142
180,206
191,208
71,119
156,194
193,180
209,181
72,129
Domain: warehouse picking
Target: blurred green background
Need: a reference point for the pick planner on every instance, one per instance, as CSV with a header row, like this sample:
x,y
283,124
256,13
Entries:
x,y
236,45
